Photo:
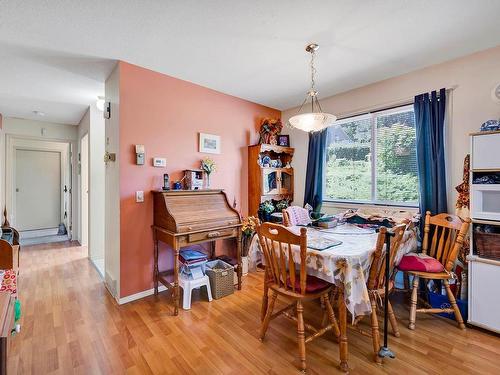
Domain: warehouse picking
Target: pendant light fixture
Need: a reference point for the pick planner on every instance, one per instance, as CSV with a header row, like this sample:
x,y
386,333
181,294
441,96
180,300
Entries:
x,y
316,120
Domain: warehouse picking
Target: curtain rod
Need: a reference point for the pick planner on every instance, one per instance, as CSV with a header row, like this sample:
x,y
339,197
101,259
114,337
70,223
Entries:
x,y
387,105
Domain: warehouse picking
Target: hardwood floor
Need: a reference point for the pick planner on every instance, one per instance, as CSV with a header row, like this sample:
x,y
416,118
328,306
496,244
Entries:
x,y
71,324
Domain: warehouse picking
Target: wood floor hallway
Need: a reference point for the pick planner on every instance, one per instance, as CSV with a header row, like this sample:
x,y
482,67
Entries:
x,y
70,324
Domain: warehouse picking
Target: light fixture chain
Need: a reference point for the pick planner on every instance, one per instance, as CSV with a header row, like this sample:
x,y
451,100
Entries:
x,y
313,71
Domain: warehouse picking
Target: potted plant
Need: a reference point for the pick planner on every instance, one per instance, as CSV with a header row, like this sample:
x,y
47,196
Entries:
x,y
282,204
247,232
265,210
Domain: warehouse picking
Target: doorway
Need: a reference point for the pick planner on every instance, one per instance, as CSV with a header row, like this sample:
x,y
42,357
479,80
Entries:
x,y
84,188
38,190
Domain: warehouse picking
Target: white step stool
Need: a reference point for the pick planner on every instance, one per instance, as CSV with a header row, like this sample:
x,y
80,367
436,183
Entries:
x,y
188,285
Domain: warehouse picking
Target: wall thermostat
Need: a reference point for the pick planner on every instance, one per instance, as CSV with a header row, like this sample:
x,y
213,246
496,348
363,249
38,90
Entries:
x,y
159,162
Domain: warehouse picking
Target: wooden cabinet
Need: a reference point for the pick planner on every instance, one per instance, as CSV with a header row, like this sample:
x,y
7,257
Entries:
x,y
266,182
277,181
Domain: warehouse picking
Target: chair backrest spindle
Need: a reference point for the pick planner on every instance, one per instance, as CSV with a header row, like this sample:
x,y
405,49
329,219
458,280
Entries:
x,y
276,242
448,233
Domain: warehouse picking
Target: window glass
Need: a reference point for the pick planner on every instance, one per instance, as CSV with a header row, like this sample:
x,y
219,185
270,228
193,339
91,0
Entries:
x,y
348,158
372,158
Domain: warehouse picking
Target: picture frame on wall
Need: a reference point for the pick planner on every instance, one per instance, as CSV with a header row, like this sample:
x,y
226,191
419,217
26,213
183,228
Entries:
x,y
209,144
284,140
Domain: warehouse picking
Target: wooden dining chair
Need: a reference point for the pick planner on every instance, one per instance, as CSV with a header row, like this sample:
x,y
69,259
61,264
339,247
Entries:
x,y
376,286
446,233
290,280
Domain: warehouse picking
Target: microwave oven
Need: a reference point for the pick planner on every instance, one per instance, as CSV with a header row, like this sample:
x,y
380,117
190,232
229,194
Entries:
x,y
485,201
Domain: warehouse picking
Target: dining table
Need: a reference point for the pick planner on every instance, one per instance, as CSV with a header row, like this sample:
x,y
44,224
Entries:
x,y
342,256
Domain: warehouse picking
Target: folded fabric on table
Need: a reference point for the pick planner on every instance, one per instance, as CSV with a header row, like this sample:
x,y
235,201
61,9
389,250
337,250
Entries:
x,y
369,215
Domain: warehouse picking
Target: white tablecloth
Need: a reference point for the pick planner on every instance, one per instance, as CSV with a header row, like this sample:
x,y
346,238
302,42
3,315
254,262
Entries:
x,y
346,265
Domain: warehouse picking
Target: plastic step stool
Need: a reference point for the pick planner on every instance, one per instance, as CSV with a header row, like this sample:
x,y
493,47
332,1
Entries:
x,y
188,284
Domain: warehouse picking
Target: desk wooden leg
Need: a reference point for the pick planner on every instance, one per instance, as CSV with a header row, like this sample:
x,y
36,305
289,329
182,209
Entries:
x,y
344,350
176,293
155,266
238,256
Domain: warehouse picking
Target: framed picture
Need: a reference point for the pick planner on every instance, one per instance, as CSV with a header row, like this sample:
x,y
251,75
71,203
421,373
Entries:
x,y
284,140
209,143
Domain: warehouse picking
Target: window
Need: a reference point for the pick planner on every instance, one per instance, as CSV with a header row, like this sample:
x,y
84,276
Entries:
x,y
372,158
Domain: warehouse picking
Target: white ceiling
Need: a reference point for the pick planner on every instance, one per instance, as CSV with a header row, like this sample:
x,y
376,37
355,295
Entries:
x,y
55,56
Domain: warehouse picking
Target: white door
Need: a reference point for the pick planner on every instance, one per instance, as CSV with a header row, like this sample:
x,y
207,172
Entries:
x,y
38,189
84,188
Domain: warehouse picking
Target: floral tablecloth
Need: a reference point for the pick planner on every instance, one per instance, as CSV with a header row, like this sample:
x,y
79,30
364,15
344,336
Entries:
x,y
346,265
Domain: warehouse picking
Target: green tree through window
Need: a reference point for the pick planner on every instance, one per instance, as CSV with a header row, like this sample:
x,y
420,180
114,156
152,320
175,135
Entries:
x,y
372,158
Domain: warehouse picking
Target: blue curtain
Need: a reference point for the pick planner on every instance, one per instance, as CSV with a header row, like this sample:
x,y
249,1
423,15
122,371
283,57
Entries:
x,y
429,119
314,174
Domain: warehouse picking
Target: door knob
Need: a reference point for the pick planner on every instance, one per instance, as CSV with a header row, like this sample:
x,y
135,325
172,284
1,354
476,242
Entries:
x,y
17,190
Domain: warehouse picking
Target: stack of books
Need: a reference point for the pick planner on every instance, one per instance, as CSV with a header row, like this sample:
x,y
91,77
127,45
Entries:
x,y
193,262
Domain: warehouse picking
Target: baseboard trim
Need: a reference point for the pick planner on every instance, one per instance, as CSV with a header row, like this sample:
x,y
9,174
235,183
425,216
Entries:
x,y
140,295
93,261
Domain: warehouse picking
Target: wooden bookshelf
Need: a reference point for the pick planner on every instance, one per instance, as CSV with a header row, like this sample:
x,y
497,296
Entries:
x,y
266,183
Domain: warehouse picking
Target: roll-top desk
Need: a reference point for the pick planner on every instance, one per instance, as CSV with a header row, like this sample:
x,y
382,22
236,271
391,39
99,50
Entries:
x,y
187,217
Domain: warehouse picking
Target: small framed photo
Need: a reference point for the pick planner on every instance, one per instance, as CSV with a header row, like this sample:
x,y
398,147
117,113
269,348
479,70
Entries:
x,y
209,143
284,140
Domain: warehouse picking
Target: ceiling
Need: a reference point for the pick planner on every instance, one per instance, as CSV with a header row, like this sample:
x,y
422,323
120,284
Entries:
x,y
55,56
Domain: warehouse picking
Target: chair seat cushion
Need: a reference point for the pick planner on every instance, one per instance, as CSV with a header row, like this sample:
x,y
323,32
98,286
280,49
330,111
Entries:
x,y
420,263
313,285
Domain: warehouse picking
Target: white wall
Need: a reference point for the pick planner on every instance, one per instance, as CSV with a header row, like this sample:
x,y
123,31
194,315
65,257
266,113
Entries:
x,y
92,123
112,186
30,129
474,77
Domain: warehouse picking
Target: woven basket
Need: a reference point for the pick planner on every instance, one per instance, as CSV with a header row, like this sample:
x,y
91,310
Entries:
x,y
221,276
487,245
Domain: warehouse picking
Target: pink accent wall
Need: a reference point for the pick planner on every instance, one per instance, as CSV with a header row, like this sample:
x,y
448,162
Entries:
x,y
166,114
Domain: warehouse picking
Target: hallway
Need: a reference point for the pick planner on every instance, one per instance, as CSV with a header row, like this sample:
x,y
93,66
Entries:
x,y
71,324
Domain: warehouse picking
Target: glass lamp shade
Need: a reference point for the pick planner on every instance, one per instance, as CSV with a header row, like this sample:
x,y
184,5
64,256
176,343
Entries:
x,y
312,122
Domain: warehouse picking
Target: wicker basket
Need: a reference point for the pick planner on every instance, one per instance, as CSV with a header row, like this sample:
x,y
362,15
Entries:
x,y
487,245
221,277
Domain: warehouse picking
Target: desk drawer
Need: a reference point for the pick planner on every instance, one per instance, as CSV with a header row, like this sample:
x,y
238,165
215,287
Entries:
x,y
213,235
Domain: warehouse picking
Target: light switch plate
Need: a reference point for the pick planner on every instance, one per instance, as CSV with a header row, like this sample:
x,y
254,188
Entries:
x,y
159,162
139,196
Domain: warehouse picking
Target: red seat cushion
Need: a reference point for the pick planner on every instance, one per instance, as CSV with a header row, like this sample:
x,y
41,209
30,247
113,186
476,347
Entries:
x,y
313,285
420,263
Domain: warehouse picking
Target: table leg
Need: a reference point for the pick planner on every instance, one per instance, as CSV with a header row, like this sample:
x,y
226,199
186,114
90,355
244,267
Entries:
x,y
238,256
156,272
344,350
176,293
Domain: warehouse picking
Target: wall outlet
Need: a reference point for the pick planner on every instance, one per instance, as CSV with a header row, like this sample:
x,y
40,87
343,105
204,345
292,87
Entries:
x,y
139,196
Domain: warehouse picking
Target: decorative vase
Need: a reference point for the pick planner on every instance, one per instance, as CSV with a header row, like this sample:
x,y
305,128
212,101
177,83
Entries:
x,y
208,180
